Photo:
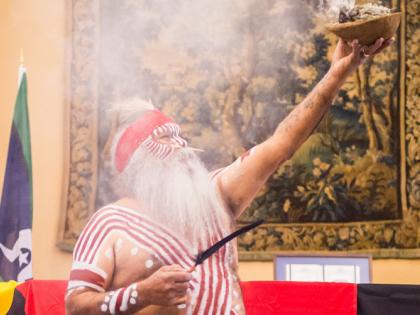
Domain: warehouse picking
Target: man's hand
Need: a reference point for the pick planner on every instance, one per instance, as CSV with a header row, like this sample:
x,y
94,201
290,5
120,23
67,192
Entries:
x,y
347,57
167,286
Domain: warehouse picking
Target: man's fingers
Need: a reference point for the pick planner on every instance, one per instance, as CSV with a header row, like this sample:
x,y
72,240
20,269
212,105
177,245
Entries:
x,y
343,45
386,44
357,54
181,287
355,45
370,50
356,48
172,268
179,276
176,294
179,301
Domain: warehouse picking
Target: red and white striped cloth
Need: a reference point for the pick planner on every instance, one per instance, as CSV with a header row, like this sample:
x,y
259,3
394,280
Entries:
x,y
215,287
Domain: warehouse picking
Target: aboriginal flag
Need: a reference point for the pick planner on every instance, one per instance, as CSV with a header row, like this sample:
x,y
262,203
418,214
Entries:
x,y
16,199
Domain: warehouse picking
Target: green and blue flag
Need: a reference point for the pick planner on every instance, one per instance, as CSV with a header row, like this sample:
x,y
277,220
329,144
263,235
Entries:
x,y
16,198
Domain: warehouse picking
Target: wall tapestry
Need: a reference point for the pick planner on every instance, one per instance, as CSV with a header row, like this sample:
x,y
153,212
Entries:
x,y
229,72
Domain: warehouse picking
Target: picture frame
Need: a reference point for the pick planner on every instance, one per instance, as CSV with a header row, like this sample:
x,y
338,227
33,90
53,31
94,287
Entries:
x,y
345,268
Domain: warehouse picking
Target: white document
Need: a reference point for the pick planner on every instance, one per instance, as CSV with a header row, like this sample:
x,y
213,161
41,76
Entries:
x,y
304,272
342,273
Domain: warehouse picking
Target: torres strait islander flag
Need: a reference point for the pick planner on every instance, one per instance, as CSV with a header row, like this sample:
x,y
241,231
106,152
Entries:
x,y
16,199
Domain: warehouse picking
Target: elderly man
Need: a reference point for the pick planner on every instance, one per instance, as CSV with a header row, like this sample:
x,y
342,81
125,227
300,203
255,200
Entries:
x,y
135,256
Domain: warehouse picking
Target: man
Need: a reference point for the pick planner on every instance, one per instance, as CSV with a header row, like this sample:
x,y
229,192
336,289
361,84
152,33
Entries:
x,y
135,256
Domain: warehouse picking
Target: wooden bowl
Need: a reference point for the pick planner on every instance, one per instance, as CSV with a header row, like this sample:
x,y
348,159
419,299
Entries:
x,y
367,31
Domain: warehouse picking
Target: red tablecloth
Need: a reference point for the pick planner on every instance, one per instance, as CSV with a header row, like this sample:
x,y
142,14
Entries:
x,y
46,297
299,298
43,297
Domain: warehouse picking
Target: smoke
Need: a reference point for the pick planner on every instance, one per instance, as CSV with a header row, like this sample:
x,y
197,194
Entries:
x,y
332,8
160,38
223,69
201,24
161,49
180,42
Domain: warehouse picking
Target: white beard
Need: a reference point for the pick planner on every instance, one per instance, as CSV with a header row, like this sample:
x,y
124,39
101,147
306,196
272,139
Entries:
x,y
177,192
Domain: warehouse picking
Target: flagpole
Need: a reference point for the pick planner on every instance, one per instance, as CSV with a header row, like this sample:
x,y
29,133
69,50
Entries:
x,y
22,68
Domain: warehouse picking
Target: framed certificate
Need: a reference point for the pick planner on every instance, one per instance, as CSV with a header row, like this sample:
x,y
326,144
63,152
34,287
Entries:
x,y
323,268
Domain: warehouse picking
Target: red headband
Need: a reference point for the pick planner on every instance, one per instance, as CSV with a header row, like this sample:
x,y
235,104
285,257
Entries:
x,y
135,134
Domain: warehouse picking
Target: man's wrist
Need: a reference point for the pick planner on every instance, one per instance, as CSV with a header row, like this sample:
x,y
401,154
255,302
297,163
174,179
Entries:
x,y
339,73
142,289
122,300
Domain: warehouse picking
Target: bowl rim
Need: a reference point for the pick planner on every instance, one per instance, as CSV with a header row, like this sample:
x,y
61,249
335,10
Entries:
x,y
337,25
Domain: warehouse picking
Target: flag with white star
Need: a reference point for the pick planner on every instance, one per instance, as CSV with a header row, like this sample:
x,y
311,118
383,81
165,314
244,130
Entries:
x,y
16,199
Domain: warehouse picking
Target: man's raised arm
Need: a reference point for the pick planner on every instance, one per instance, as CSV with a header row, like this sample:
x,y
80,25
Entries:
x,y
241,181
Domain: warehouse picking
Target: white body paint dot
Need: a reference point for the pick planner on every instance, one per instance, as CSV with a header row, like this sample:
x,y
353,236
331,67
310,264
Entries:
x,y
149,263
133,301
119,243
108,253
104,308
107,298
134,294
182,306
134,251
237,307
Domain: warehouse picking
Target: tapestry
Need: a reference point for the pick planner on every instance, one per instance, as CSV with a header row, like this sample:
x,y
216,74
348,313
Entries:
x,y
228,72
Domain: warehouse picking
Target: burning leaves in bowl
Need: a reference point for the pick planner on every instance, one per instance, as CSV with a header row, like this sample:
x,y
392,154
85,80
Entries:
x,y
362,12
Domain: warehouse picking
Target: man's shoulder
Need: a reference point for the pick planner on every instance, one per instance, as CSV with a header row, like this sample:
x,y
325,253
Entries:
x,y
107,209
119,206
112,212
213,174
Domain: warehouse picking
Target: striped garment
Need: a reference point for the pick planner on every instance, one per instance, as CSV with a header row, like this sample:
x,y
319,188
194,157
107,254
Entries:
x,y
115,235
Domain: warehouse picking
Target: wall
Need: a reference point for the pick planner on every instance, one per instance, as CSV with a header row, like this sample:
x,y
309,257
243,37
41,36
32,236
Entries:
x,y
39,27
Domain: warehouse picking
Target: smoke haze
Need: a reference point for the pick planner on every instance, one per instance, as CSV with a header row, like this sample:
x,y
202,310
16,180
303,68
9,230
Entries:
x,y
227,71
